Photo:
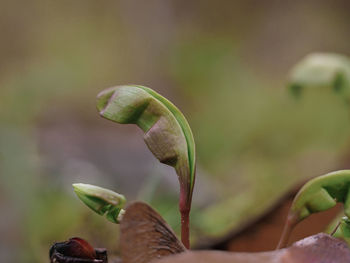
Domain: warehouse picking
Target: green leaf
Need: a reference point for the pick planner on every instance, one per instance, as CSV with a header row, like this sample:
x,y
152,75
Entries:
x,y
166,131
321,71
101,200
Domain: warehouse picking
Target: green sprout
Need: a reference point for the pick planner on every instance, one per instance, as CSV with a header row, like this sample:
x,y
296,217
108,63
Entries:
x,y
102,201
319,194
166,133
321,71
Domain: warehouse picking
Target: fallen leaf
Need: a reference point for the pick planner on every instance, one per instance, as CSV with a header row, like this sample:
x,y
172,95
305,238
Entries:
x,y
145,235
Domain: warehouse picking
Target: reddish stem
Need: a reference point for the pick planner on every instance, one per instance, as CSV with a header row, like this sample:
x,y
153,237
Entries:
x,y
185,208
185,228
335,229
292,220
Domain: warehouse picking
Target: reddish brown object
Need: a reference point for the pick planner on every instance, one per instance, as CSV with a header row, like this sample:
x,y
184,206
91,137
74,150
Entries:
x,y
320,248
146,236
185,229
317,249
76,250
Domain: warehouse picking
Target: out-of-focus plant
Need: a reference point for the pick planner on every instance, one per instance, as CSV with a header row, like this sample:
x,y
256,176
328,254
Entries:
x,y
319,194
166,133
322,70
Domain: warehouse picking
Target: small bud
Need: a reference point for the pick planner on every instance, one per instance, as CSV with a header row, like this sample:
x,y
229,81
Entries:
x,y
101,200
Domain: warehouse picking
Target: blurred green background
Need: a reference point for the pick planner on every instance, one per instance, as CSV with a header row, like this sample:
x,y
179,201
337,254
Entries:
x,y
224,64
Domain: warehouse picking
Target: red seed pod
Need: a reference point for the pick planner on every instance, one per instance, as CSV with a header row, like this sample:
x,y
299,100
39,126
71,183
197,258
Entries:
x,y
76,250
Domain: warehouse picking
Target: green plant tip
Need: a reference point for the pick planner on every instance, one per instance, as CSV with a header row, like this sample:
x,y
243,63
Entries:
x,y
319,194
166,133
322,193
101,200
321,71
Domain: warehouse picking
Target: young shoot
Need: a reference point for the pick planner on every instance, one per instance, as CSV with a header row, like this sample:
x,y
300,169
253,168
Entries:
x,y
322,71
319,194
166,133
102,201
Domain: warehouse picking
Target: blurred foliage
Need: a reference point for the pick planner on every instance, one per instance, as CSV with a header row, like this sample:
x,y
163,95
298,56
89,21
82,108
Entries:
x,y
224,65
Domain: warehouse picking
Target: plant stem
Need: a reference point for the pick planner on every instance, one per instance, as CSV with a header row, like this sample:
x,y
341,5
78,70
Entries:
x,y
335,229
185,229
185,208
292,220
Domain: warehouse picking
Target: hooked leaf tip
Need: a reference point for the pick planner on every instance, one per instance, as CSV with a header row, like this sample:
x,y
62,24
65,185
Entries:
x,y
101,200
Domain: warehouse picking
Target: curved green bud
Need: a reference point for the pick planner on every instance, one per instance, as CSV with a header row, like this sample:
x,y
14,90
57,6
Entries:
x,y
322,193
322,70
319,194
102,201
166,132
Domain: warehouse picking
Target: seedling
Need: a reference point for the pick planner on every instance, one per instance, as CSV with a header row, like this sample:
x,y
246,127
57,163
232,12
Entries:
x,y
166,133
102,201
145,236
319,194
322,71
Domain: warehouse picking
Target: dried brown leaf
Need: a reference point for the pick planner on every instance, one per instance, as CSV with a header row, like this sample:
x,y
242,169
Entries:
x,y
145,235
320,248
